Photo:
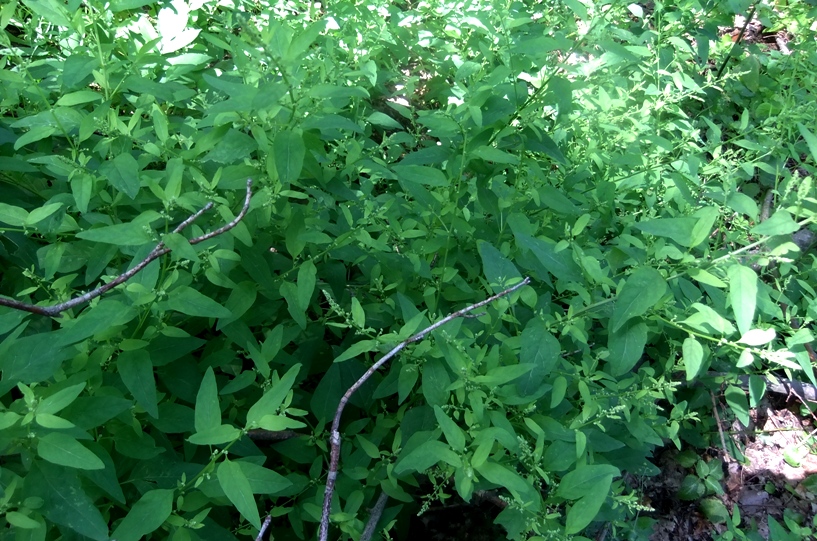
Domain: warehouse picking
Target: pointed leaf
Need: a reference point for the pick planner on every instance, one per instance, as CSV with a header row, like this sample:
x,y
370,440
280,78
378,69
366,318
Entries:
x,y
781,223
582,513
136,372
757,337
425,456
452,432
693,357
642,290
238,490
289,151
216,435
269,403
61,399
208,412
626,347
742,295
146,515
189,301
586,480
680,230
541,350
306,284
63,450
123,174
498,269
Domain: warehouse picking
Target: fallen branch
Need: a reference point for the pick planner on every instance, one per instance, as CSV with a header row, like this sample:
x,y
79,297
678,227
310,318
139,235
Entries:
x,y
156,253
334,438
374,518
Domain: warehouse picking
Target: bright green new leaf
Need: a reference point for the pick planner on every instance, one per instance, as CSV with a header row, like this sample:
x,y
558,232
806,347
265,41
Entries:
x,y
63,450
289,151
693,354
278,422
542,351
757,337
452,432
642,290
128,234
498,269
136,372
425,456
47,420
216,435
208,412
358,315
237,488
269,403
626,347
61,399
736,398
145,516
746,358
781,223
708,320
742,295
188,301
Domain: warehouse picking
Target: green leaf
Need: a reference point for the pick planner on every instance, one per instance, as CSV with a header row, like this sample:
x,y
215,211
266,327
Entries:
x,y
560,264
14,216
703,227
37,133
232,147
742,295
129,234
693,354
781,223
811,140
237,488
269,403
306,284
406,380
714,509
491,154
63,450
289,151
208,412
136,372
82,186
61,399
499,271
188,301
145,516
642,290
542,351
421,174
503,476
757,388
278,422
64,501
263,480
215,435
757,337
746,358
123,174
678,229
583,511
452,432
180,246
586,480
736,398
425,456
356,349
626,347
384,121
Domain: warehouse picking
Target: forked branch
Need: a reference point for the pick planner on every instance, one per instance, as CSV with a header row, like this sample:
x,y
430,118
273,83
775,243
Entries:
x,y
156,253
334,438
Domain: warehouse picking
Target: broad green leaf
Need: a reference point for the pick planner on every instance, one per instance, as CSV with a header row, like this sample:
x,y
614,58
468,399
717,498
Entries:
x,y
495,155
714,509
263,480
358,315
736,398
216,435
498,269
452,432
811,140
136,372
129,234
79,97
306,284
406,380
708,320
33,135
693,354
145,516
626,347
706,219
47,420
558,391
757,337
188,301
233,147
237,488
435,382
583,511
82,186
742,295
757,389
501,375
746,358
11,215
560,264
642,290
383,120
503,476
269,403
289,291
61,399
356,349
208,412
180,246
50,10
421,174
278,422
63,450
556,200
64,500
781,223
289,151
123,174
542,351
425,456
586,480
106,314
678,229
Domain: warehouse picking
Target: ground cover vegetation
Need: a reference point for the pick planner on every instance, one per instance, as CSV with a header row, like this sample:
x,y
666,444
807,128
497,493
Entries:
x,y
645,166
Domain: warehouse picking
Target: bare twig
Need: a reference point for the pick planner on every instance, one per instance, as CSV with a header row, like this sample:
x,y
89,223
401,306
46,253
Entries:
x,y
374,518
259,435
334,439
263,529
154,254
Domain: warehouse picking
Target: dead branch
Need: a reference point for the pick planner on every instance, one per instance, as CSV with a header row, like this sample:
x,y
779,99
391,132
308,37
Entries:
x,y
334,438
156,253
374,518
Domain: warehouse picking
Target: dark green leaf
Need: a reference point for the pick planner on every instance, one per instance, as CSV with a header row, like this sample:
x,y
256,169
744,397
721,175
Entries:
x,y
742,295
421,174
61,399
583,511
145,516
189,301
453,433
129,234
269,403
541,350
233,147
123,174
626,347
63,450
289,151
136,372
736,398
425,456
499,271
642,290
238,490
586,480
678,229
208,412
693,354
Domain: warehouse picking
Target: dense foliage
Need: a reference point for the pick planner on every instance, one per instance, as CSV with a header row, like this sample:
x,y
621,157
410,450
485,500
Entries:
x,y
408,159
